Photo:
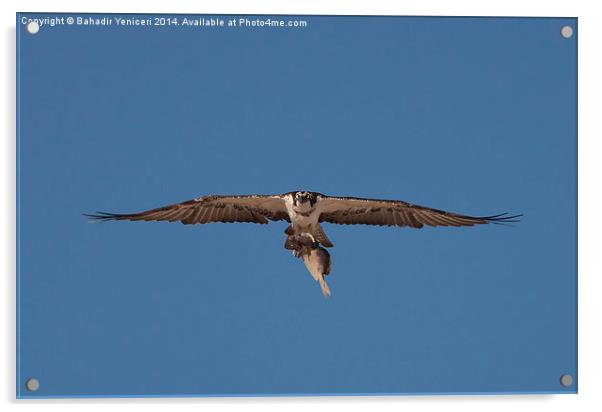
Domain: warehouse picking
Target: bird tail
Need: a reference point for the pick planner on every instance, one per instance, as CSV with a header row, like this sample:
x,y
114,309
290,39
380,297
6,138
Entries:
x,y
321,237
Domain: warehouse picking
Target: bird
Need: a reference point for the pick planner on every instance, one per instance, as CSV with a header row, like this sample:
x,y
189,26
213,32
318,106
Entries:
x,y
305,212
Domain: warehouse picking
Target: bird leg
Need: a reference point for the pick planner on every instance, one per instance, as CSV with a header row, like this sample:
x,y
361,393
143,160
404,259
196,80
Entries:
x,y
291,244
300,244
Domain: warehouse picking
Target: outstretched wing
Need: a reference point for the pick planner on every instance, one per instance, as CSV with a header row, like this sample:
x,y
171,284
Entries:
x,y
359,211
207,209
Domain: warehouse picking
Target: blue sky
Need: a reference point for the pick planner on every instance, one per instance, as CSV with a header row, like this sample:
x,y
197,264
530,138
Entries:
x,y
471,115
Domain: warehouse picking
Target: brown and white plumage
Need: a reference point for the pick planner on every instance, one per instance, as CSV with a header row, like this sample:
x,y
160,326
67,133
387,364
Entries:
x,y
209,209
361,211
339,210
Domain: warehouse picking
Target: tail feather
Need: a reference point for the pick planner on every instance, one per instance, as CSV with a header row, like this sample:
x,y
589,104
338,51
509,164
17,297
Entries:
x,y
321,236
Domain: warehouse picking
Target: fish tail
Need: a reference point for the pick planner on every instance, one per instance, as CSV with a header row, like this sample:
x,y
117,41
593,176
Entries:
x,y
324,286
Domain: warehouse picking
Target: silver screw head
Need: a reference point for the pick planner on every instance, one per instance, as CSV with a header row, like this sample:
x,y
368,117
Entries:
x,y
566,380
566,32
32,384
33,27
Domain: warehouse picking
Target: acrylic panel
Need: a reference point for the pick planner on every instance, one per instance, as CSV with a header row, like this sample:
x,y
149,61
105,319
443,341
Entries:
x,y
470,117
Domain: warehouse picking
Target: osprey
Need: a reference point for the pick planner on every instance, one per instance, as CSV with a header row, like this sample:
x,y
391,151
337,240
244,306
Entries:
x,y
305,211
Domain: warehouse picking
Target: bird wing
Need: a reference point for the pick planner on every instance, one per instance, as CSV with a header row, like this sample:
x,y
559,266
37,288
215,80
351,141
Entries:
x,y
207,209
360,211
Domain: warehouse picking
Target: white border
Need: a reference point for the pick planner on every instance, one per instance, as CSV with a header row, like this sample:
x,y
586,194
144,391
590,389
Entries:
x,y
590,134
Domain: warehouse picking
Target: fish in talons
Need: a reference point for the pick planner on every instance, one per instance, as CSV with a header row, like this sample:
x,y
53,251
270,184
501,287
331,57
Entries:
x,y
316,258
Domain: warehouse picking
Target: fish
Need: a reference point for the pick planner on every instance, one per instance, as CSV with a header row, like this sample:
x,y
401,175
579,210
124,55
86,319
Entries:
x,y
317,260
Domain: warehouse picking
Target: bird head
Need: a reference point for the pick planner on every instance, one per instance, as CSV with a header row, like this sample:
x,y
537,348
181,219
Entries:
x,y
304,197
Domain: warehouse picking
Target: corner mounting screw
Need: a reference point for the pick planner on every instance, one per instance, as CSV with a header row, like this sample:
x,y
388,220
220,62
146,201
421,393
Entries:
x,y
32,384
33,27
566,380
566,32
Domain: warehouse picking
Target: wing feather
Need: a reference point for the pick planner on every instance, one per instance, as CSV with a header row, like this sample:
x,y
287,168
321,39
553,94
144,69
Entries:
x,y
186,214
247,208
396,218
362,211
195,217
